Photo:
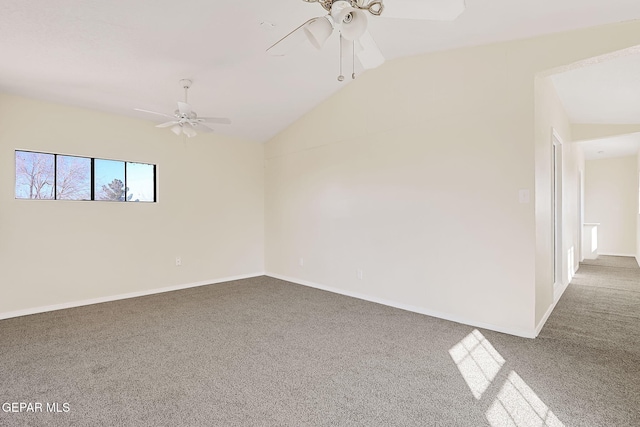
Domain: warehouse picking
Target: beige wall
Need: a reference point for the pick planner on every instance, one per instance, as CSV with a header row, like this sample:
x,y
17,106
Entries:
x,y
552,119
611,199
209,211
412,174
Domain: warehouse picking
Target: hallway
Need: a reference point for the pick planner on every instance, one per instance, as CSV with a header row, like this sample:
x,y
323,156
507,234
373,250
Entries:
x,y
585,363
602,303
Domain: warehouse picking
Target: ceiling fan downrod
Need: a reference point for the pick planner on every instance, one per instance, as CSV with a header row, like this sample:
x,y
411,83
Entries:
x,y
186,84
341,76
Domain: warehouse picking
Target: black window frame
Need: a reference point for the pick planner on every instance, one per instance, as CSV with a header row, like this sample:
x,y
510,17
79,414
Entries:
x,y
92,178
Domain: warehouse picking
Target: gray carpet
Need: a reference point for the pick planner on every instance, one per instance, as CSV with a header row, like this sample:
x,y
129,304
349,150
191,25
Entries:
x,y
264,352
612,261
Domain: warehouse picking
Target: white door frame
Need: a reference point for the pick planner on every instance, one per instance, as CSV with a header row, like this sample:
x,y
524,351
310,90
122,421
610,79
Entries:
x,y
556,209
580,214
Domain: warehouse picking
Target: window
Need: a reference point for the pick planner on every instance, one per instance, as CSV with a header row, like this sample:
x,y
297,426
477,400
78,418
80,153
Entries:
x,y
109,180
34,175
73,178
141,182
60,177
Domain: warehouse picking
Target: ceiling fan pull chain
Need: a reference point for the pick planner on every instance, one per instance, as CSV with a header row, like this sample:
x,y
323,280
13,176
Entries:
x,y
353,59
340,77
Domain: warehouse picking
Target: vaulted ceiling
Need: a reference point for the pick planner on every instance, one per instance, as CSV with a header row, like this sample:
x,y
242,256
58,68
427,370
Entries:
x,y
118,55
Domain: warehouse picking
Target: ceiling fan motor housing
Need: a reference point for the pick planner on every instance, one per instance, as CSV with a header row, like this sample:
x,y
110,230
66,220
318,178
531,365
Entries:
x,y
375,7
191,116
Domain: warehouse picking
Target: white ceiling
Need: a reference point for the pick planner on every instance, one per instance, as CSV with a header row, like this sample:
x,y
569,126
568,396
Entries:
x,y
617,146
606,91
118,55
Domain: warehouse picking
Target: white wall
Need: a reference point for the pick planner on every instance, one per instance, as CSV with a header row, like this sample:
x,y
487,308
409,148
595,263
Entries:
x,y
638,217
209,211
611,199
408,184
550,119
411,174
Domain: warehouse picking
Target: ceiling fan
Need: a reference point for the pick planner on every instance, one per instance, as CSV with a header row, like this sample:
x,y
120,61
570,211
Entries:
x,y
184,120
349,19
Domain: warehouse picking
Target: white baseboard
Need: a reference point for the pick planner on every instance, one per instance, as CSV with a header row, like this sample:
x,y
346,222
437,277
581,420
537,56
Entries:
x,y
414,309
36,310
610,254
558,291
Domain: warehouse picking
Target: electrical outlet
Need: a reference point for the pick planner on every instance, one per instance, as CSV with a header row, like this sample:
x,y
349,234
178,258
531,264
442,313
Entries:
x,y
178,261
359,274
301,262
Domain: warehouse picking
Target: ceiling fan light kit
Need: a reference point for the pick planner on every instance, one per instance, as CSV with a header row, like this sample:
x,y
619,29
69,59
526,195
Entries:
x,y
349,18
352,22
319,30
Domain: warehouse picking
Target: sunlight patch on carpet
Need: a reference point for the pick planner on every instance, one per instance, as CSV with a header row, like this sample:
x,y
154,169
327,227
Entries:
x,y
478,362
517,405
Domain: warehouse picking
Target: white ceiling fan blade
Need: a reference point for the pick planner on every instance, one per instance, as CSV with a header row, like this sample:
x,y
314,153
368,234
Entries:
x,y
208,126
153,112
177,129
184,108
167,124
187,130
290,41
216,120
432,10
368,52
196,124
204,127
